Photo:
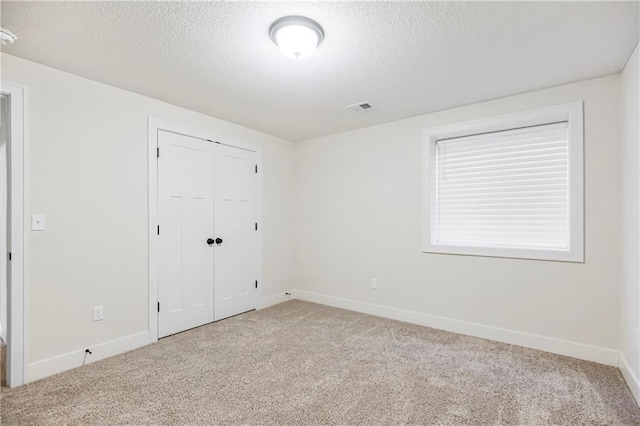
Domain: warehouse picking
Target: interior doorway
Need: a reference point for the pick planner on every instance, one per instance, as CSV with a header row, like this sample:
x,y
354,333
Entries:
x,y
12,320
4,237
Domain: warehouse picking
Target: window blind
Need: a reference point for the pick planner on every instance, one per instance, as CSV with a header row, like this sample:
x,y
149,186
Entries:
x,y
504,189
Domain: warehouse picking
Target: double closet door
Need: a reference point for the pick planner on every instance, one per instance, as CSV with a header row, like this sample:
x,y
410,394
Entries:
x,y
208,241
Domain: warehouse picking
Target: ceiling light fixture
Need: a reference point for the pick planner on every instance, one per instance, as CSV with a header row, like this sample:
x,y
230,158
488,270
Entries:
x,y
7,37
296,36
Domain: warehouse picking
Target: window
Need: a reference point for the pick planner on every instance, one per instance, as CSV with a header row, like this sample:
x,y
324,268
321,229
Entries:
x,y
509,186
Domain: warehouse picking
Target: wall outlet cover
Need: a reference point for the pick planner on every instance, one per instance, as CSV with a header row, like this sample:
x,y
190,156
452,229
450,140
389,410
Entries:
x,y
98,313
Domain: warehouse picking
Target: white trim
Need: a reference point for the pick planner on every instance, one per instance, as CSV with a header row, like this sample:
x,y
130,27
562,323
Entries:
x,y
16,338
573,113
152,198
154,125
273,300
630,378
513,337
78,358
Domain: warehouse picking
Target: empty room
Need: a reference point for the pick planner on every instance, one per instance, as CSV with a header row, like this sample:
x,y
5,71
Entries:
x,y
320,212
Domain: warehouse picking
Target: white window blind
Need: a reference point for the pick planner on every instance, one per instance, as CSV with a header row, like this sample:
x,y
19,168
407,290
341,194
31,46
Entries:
x,y
503,189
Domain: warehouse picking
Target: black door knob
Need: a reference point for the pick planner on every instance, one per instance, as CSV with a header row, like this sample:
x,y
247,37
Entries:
x,y
210,241
218,241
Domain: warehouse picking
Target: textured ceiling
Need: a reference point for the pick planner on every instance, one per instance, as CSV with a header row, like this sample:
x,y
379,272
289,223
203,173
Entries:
x,y
405,58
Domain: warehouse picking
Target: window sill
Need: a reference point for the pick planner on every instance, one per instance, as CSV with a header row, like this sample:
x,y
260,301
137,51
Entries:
x,y
573,256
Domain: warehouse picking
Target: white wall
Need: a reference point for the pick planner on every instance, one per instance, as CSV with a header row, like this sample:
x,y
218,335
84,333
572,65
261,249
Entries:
x,y
358,199
87,171
630,282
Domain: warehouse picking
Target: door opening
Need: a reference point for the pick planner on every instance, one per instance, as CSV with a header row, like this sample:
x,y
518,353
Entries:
x,y
4,236
12,321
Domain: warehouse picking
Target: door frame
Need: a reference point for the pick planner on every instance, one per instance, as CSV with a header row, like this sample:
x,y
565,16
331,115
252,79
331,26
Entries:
x,y
154,126
16,290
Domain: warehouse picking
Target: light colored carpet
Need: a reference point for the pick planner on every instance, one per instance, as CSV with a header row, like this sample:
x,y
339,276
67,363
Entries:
x,y
302,363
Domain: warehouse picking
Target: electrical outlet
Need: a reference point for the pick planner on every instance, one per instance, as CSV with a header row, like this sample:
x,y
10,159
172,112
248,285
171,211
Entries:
x,y
98,313
374,283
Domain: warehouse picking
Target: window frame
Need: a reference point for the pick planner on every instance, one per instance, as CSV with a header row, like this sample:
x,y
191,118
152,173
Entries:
x,y
573,114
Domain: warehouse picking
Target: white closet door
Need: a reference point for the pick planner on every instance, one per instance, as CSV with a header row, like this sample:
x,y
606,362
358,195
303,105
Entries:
x,y
236,256
185,210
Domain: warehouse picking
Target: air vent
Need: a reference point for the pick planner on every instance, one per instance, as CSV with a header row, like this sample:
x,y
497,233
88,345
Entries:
x,y
359,107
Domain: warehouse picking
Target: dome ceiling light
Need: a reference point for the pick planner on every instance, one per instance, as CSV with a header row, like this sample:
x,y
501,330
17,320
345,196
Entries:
x,y
7,37
296,36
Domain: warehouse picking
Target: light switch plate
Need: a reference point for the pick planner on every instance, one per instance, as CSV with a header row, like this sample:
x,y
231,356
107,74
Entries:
x,y
37,222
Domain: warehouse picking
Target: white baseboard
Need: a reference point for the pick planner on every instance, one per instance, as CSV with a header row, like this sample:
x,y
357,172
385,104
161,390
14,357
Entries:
x,y
273,300
58,364
47,367
519,338
629,377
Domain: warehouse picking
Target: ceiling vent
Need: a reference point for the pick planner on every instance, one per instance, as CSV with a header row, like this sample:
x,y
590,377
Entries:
x,y
359,107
